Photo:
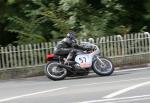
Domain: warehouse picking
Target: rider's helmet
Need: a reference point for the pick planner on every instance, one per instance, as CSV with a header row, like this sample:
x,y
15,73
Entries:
x,y
71,35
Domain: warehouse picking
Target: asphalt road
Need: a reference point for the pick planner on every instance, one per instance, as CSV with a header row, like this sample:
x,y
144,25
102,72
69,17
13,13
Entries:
x,y
127,86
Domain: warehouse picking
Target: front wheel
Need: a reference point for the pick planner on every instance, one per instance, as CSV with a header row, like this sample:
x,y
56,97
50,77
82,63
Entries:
x,y
103,66
54,72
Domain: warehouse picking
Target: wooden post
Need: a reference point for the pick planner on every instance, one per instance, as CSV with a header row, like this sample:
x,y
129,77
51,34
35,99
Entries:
x,y
47,47
23,55
11,61
43,53
128,44
3,65
6,56
103,45
15,56
35,55
39,56
136,43
51,48
111,46
31,55
115,47
19,55
54,44
27,54
125,44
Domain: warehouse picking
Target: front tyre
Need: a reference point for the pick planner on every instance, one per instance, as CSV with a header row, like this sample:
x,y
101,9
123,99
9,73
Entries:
x,y
54,72
103,66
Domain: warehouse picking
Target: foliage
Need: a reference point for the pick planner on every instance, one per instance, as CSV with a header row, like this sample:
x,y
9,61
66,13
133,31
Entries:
x,y
28,30
44,20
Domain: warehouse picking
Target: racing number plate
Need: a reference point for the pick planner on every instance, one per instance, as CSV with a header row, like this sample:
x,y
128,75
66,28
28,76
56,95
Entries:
x,y
84,60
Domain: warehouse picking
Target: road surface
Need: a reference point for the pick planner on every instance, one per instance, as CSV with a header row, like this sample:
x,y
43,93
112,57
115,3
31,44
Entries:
x,y
124,86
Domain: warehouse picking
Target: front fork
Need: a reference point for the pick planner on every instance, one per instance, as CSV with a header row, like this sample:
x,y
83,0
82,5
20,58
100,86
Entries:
x,y
102,63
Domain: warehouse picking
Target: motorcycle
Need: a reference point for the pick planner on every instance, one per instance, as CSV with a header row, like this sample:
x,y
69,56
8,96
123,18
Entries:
x,y
84,61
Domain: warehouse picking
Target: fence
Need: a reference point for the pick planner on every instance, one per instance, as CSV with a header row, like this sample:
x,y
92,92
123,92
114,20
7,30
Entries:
x,y
127,49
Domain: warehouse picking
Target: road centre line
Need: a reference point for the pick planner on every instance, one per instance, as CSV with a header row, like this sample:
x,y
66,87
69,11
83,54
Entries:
x,y
126,90
116,99
31,94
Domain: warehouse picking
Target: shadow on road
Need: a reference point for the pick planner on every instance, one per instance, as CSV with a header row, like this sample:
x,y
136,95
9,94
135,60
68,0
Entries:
x,y
93,75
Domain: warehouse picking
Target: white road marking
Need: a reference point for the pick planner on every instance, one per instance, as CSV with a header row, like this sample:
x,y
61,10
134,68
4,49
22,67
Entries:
x,y
126,90
126,70
52,90
134,69
117,99
31,94
133,100
127,80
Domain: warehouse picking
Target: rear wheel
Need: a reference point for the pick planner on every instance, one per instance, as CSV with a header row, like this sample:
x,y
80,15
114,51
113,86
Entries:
x,y
103,66
54,72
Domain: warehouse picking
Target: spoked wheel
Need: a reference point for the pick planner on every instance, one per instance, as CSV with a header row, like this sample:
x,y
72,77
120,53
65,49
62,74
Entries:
x,y
103,66
54,72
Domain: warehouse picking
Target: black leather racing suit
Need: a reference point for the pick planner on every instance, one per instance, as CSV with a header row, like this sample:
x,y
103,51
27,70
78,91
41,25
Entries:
x,y
64,48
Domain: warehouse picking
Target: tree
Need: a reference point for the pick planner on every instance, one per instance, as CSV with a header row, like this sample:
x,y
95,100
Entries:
x,y
47,20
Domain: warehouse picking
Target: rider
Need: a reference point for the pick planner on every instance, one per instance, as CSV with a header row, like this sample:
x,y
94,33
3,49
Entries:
x,y
65,47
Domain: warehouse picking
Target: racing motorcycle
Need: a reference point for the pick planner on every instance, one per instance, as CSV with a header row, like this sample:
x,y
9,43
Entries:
x,y
84,61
